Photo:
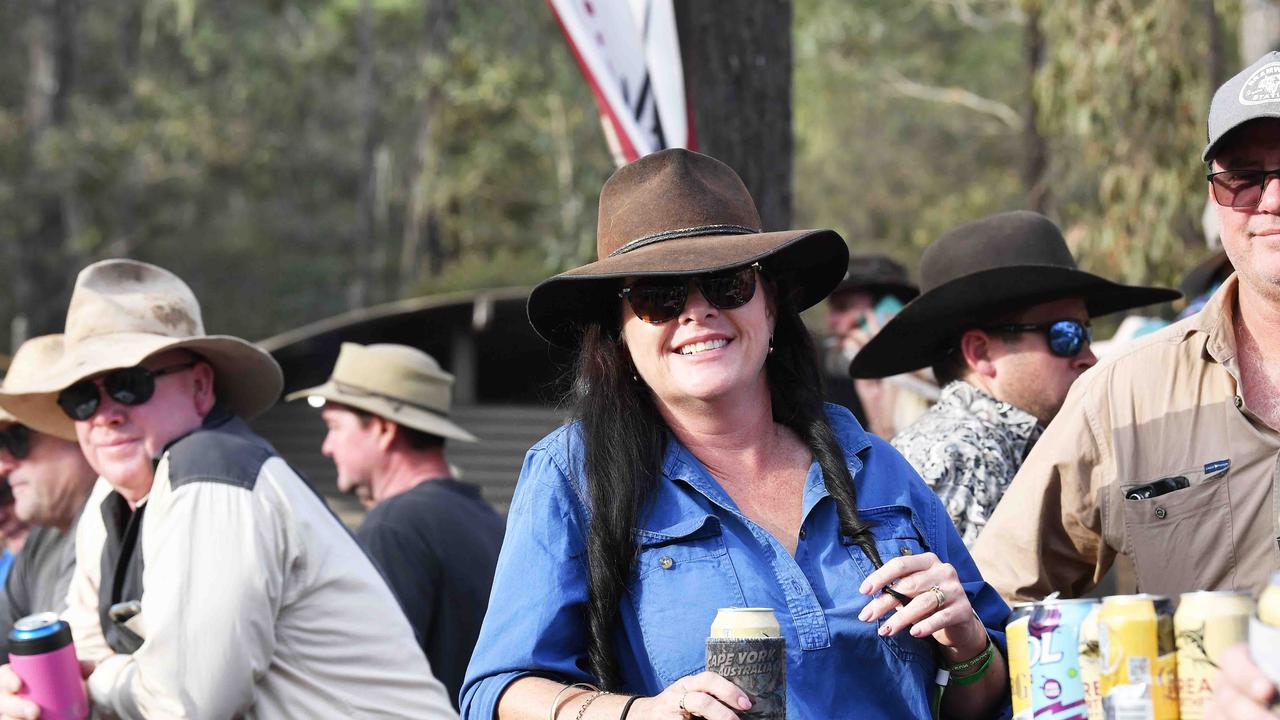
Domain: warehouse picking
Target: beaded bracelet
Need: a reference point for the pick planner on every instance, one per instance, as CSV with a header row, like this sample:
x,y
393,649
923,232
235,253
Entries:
x,y
587,704
555,704
627,708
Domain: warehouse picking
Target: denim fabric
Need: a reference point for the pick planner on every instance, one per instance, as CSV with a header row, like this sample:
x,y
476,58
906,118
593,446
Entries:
x,y
699,553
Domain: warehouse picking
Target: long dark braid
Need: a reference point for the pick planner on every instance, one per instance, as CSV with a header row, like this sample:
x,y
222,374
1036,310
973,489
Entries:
x,y
624,435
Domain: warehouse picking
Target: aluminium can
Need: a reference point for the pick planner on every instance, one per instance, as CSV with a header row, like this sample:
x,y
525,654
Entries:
x,y
1206,624
747,648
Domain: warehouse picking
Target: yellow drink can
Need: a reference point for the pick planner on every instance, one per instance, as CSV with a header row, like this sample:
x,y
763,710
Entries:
x,y
1206,624
1139,662
1019,659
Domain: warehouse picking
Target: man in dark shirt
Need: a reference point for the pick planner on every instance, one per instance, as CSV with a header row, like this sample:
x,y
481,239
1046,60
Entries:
x,y
50,480
434,538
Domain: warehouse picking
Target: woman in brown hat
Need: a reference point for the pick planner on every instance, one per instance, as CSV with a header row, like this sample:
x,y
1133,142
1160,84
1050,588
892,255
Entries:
x,y
703,472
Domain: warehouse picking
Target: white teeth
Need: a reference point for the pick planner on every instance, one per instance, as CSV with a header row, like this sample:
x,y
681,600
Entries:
x,y
698,347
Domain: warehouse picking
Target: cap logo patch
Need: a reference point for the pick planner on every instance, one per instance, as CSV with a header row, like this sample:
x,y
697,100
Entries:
x,y
1263,86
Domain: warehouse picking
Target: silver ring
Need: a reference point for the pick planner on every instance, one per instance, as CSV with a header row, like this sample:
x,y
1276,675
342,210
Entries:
x,y
682,697
938,595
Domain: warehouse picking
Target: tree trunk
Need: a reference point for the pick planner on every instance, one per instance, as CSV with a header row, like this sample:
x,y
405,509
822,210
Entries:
x,y
737,67
360,290
421,220
1035,169
44,259
1259,29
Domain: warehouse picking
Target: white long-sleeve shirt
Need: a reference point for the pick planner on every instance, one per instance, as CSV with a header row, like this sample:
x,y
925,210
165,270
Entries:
x,y
256,601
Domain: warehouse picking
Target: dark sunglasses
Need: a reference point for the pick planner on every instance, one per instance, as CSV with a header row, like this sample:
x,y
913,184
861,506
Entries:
x,y
1240,188
130,386
1066,337
16,439
657,299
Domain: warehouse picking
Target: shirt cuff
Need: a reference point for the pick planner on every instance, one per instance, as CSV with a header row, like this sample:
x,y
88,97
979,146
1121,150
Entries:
x,y
481,699
109,691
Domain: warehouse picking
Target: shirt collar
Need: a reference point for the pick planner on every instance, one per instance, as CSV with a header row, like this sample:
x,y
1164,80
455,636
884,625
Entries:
x,y
1215,322
960,395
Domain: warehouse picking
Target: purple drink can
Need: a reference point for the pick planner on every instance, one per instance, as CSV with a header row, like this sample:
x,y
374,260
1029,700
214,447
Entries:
x,y
1057,686
42,654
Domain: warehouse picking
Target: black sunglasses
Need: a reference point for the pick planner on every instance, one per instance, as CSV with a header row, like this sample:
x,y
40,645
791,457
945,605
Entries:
x,y
16,439
1066,337
656,299
130,386
1240,188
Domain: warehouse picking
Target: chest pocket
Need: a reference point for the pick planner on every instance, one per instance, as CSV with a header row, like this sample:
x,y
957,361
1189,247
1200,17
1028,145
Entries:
x,y
682,577
896,533
1197,516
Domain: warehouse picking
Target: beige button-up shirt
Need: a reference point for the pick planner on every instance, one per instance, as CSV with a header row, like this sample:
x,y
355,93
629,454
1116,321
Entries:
x,y
1169,408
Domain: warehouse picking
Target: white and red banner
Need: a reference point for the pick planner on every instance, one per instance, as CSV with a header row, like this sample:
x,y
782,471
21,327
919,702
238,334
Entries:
x,y
630,54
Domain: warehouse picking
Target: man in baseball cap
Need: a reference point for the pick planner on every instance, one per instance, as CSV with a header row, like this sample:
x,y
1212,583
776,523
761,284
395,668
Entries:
x,y
434,538
211,580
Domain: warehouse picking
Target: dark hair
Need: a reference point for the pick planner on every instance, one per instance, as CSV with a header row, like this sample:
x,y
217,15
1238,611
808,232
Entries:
x,y
624,436
950,365
417,439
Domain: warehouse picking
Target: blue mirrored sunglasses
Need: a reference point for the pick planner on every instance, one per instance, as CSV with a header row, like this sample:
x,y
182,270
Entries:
x,y
1066,337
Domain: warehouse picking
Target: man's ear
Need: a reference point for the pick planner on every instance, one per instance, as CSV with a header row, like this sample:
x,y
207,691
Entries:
x,y
977,346
386,432
202,385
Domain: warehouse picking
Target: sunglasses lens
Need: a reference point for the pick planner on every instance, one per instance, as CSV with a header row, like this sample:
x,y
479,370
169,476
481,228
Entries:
x,y
1238,188
80,401
729,290
131,386
657,301
1067,338
16,440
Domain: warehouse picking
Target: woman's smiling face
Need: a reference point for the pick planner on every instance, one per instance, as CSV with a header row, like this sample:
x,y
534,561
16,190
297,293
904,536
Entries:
x,y
704,353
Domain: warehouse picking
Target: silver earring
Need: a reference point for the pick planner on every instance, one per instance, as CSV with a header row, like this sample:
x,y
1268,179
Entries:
x,y
770,344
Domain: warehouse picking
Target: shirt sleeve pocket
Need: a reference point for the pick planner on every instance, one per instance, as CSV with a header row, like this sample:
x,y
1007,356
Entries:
x,y
1159,528
896,533
682,577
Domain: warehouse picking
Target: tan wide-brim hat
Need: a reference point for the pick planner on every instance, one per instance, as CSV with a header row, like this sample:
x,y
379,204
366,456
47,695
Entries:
x,y
676,212
123,312
32,359
396,382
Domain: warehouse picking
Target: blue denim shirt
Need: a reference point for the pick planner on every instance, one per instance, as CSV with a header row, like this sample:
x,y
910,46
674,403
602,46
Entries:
x,y
697,553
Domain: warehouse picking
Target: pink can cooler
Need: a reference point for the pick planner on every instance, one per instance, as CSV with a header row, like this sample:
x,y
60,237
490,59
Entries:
x,y
42,654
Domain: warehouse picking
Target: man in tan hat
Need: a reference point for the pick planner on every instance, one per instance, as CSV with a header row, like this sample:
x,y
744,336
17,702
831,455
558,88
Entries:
x,y
434,538
50,480
211,580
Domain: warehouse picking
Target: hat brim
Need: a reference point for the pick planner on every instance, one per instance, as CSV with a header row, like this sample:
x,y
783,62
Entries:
x,y
918,335
1211,148
807,263
247,380
411,416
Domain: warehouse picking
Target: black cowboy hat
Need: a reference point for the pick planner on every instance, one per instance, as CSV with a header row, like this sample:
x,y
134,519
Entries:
x,y
677,212
984,268
878,275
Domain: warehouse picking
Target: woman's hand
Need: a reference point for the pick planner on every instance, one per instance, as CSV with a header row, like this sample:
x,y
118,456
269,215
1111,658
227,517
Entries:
x,y
1241,690
938,605
705,695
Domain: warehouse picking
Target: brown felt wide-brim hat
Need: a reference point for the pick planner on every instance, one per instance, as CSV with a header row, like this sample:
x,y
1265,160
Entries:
x,y
980,271
123,312
677,212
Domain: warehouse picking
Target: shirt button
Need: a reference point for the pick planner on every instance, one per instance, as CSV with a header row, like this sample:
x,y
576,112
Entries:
x,y
803,534
1239,401
1161,512
666,562
904,551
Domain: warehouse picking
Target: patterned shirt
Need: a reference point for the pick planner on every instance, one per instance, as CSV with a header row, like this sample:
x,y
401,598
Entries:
x,y
967,448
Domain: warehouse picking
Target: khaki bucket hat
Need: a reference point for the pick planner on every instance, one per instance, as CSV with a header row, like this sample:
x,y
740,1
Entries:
x,y
677,212
123,312
35,356
396,382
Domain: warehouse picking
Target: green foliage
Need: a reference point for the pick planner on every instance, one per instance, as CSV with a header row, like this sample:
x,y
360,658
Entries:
x,y
224,141
1128,118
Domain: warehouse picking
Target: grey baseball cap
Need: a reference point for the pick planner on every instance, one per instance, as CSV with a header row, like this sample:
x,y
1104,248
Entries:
x,y
1253,93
